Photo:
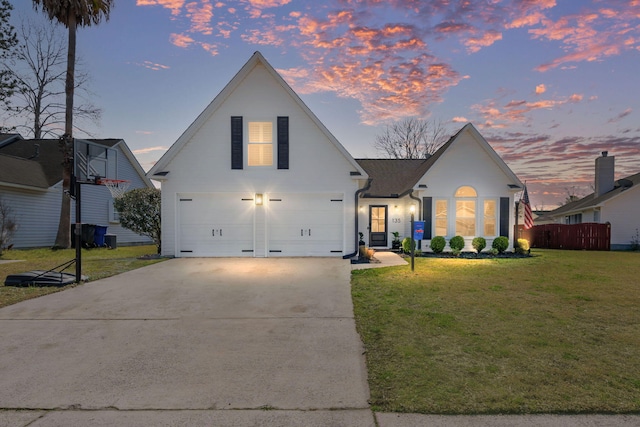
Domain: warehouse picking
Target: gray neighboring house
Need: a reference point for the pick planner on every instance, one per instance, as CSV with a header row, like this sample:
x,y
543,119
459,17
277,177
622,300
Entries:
x,y
31,184
615,202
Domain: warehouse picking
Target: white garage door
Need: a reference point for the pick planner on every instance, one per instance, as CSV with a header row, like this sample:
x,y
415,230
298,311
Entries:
x,y
219,224
305,224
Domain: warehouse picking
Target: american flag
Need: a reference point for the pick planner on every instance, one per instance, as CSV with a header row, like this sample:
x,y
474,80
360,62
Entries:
x,y
528,216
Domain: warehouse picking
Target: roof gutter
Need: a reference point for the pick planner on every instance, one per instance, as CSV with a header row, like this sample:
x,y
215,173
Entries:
x,y
357,236
419,202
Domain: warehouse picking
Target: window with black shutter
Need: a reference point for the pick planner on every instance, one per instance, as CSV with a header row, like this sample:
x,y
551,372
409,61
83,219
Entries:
x,y
237,157
283,142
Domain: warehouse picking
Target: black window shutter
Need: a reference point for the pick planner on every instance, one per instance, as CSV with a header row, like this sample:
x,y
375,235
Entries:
x,y
427,203
504,216
237,158
283,142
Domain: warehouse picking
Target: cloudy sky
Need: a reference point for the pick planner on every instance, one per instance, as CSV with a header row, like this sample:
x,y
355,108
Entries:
x,y
549,83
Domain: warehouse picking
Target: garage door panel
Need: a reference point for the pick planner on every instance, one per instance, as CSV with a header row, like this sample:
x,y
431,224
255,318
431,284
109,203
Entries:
x,y
216,225
305,225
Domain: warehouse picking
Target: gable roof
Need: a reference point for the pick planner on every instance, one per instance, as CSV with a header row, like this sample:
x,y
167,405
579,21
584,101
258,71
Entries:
x,y
158,172
18,172
398,177
590,201
8,137
45,155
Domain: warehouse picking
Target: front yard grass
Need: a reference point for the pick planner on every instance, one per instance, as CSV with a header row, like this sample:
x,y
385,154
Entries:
x,y
555,333
96,264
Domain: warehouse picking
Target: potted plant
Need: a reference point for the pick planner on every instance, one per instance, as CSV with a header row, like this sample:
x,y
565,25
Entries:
x,y
395,245
362,248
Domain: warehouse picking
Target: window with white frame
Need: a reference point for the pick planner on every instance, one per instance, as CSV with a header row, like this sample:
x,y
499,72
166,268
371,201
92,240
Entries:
x,y
466,199
441,217
260,144
114,215
490,218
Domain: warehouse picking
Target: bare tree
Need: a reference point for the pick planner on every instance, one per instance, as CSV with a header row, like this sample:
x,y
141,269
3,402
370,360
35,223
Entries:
x,y
573,194
411,139
8,42
38,105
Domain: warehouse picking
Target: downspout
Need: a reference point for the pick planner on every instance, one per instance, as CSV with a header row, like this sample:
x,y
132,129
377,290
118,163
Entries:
x,y
358,192
411,196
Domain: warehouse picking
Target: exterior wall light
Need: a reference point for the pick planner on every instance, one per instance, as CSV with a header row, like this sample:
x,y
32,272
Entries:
x,y
258,199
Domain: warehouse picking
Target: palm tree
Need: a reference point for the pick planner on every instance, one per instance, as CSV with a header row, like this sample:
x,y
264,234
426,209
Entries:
x,y
71,14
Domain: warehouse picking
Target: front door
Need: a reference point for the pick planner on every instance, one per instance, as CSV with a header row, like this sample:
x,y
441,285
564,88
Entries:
x,y
378,225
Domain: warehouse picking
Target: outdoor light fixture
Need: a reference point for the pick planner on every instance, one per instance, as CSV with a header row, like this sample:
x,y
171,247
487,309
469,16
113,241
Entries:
x,y
258,199
412,209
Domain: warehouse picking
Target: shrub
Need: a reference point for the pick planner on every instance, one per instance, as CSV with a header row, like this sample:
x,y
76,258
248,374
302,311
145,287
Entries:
x,y
479,243
500,244
523,246
437,244
406,245
493,251
455,252
8,226
140,212
456,242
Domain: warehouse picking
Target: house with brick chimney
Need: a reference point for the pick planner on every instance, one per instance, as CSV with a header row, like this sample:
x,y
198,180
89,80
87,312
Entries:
x,y
616,202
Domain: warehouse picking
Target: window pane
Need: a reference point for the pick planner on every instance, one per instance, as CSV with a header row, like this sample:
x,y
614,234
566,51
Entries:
x,y
466,191
441,217
489,218
466,218
260,154
260,132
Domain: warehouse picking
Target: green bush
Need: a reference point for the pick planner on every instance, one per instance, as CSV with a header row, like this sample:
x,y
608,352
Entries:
x,y
437,244
500,244
406,245
456,242
523,246
479,243
456,252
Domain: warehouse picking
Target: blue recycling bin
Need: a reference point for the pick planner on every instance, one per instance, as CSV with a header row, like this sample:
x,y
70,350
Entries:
x,y
98,238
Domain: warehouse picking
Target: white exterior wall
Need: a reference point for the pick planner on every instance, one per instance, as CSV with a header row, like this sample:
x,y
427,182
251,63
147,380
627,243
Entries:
x,y
467,163
622,213
203,165
399,217
36,213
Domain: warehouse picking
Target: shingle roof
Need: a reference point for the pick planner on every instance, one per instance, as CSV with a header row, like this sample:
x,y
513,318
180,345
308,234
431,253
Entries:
x,y
14,170
590,201
396,177
44,152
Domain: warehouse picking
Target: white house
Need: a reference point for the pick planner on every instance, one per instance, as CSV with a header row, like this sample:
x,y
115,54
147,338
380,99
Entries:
x,y
31,185
613,202
463,189
257,174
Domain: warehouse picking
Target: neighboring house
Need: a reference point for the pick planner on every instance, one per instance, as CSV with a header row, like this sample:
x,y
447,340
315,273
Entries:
x,y
615,202
257,174
31,183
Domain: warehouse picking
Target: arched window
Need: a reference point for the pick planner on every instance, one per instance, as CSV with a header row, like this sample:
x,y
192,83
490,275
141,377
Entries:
x,y
466,201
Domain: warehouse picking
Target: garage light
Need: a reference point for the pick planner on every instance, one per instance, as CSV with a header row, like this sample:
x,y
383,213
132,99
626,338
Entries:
x,y
258,199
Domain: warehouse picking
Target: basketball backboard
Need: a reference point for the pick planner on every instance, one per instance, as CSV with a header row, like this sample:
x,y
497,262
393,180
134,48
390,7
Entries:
x,y
92,160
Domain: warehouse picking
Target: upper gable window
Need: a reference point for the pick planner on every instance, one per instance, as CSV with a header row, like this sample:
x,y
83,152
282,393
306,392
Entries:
x,y
260,144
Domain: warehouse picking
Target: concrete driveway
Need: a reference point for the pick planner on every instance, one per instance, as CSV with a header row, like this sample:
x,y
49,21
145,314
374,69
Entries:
x,y
189,342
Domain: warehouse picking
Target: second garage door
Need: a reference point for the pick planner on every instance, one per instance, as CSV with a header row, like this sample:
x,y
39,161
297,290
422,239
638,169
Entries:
x,y
305,225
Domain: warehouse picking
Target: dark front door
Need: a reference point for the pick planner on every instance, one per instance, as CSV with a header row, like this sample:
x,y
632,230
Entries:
x,y
378,225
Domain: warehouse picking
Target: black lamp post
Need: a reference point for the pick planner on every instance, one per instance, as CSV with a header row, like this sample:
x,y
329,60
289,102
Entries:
x,y
412,209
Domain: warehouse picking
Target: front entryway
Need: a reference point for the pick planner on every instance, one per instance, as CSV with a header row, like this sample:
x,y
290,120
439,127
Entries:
x,y
378,225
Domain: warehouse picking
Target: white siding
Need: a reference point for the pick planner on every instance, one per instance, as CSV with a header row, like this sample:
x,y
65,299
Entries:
x,y
36,213
622,212
204,162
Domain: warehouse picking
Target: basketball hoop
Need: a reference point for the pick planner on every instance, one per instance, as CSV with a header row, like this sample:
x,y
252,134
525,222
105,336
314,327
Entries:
x,y
117,187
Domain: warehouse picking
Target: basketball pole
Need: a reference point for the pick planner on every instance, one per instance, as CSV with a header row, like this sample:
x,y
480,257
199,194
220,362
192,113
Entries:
x,y
78,230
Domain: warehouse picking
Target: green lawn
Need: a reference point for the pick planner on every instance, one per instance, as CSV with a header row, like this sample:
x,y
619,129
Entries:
x,y
555,333
96,264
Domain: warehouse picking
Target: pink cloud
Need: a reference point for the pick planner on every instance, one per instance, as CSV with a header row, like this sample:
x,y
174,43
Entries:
x,y
174,5
181,40
540,89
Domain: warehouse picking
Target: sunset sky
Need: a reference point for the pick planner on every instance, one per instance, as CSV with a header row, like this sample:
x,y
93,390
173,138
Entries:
x,y
549,83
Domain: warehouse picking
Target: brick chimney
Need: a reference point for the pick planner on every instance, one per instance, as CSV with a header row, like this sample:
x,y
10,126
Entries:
x,y
604,181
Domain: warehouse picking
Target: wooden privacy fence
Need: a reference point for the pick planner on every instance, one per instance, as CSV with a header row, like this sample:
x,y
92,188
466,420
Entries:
x,y
587,236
